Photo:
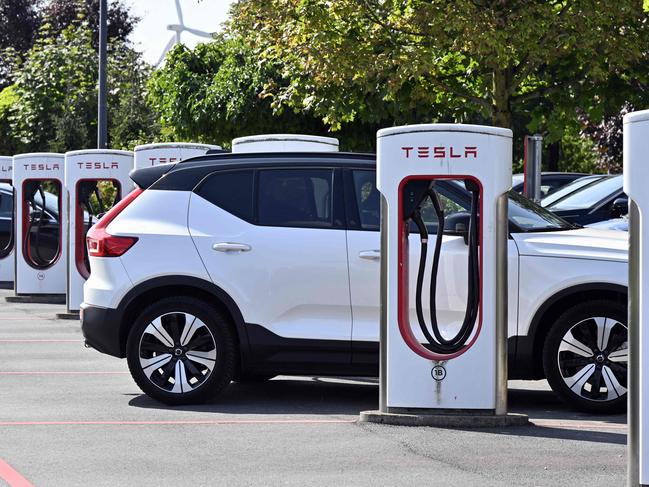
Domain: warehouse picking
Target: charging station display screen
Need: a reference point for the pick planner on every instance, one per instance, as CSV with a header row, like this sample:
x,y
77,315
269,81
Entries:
x,y
42,222
6,220
93,199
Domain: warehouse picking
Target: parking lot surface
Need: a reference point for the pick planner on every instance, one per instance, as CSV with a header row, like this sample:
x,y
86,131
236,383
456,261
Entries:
x,y
71,416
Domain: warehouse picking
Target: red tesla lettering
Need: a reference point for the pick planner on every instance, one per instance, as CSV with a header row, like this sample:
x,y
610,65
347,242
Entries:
x,y
471,151
152,159
423,152
439,152
407,150
454,155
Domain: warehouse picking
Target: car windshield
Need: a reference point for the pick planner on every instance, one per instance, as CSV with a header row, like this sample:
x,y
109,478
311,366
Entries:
x,y
561,193
589,195
524,214
527,216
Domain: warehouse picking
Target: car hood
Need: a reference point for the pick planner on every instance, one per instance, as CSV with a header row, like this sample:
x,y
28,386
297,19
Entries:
x,y
582,243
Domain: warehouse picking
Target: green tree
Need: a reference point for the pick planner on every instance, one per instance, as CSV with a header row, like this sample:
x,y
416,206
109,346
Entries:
x,y
466,59
56,88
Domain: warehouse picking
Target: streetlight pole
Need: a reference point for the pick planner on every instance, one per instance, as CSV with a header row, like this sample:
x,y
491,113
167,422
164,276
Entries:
x,y
102,119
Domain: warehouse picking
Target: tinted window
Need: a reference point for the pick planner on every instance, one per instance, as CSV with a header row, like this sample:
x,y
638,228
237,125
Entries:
x,y
230,191
368,199
295,197
590,195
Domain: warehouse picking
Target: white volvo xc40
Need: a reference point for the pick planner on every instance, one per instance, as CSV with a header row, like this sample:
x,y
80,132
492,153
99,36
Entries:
x,y
243,266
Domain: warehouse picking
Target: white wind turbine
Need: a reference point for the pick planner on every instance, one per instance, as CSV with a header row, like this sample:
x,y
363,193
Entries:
x,y
178,29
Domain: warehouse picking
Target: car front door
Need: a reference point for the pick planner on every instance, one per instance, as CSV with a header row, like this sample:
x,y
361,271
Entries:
x,y
363,244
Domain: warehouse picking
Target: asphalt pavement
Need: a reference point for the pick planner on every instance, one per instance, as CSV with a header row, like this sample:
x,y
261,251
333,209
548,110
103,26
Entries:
x,y
70,416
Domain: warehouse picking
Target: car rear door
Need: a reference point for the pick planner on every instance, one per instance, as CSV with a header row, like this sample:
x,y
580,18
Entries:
x,y
274,240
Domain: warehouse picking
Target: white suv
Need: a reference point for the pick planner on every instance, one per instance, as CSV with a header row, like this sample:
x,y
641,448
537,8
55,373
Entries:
x,y
244,266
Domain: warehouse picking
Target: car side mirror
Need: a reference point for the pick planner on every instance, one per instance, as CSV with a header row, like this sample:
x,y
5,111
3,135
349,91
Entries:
x,y
457,224
619,207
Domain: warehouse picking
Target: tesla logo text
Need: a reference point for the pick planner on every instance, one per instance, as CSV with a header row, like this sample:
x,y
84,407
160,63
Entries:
x,y
98,165
440,152
5,168
162,160
42,167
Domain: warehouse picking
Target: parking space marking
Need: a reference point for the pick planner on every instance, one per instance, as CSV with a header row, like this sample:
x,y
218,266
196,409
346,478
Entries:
x,y
11,476
63,372
178,422
37,340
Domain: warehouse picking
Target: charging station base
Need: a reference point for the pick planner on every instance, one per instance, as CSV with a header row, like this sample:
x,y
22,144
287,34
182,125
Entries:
x,y
448,420
72,315
36,299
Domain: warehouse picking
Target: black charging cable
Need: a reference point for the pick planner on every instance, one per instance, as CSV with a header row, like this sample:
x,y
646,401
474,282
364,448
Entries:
x,y
436,341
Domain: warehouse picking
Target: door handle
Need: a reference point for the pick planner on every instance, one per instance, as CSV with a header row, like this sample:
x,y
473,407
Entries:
x,y
370,254
231,247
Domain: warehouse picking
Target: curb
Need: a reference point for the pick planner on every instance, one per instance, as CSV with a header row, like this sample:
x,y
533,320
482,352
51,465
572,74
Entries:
x,y
445,420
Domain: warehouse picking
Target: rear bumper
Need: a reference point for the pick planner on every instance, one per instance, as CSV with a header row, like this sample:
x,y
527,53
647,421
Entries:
x,y
101,329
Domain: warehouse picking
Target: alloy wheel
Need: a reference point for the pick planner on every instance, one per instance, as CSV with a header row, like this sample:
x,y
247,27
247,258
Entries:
x,y
177,352
593,358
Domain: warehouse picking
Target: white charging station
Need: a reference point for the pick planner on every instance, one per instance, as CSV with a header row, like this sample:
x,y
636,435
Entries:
x,y
40,224
636,179
6,223
421,379
150,155
284,143
88,174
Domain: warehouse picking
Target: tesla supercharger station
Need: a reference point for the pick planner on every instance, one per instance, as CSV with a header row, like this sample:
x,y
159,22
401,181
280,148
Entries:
x,y
636,179
6,224
40,223
284,143
170,152
95,180
433,371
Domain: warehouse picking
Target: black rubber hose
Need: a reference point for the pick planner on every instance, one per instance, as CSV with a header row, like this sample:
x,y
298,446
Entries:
x,y
438,343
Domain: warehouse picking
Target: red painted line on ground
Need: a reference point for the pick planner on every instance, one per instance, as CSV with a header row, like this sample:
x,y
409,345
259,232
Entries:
x,y
37,340
62,372
31,318
178,422
594,425
13,478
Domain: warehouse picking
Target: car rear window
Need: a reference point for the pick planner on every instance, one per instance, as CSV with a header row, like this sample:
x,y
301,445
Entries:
x,y
231,191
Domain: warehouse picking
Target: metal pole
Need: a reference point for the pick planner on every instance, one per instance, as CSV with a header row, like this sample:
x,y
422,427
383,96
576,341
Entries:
x,y
102,119
502,223
383,339
633,420
533,151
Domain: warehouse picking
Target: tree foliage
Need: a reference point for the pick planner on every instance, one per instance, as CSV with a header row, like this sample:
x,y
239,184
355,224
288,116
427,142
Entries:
x,y
464,60
19,21
56,89
216,92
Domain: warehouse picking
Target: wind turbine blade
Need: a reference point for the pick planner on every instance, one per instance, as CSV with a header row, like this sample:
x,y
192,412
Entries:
x,y
180,12
167,48
199,33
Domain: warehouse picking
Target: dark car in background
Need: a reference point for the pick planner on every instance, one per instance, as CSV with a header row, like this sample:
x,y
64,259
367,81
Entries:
x,y
570,188
602,200
550,181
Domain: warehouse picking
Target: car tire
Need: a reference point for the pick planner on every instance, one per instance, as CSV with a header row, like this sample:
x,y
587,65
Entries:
x,y
585,357
181,350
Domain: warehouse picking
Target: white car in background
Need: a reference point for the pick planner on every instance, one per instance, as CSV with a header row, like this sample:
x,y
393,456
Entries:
x,y
244,266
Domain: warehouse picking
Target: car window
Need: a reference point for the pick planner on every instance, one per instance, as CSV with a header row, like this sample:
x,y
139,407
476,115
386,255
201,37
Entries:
x,y
589,195
295,197
231,191
368,199
564,191
6,204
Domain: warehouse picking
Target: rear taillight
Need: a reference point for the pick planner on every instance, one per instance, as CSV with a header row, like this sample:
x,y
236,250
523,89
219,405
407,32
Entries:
x,y
101,243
